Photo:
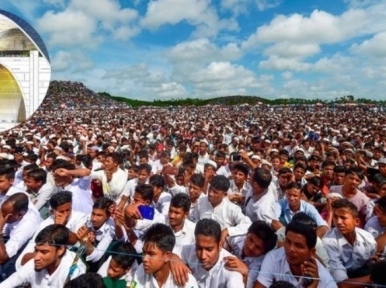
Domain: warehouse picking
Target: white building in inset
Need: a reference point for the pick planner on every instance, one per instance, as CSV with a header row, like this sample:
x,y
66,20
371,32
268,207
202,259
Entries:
x,y
25,70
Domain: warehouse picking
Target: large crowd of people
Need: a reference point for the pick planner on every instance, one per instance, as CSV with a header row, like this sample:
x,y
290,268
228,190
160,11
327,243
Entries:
x,y
95,193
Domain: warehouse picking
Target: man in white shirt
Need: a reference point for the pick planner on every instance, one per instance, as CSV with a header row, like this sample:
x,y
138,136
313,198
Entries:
x,y
62,214
295,262
217,206
208,260
349,247
52,265
161,199
7,178
177,218
159,241
17,222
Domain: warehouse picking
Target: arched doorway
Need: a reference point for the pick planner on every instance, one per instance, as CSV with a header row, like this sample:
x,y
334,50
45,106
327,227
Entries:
x,y
12,106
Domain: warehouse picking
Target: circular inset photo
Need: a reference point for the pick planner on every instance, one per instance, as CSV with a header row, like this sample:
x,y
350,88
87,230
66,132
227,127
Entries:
x,y
25,70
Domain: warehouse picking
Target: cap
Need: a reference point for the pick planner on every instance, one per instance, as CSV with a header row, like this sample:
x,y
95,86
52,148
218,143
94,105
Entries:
x,y
211,163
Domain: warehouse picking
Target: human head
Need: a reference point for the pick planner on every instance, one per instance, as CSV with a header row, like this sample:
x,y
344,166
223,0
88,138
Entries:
x,y
218,189
88,280
284,176
196,185
158,183
144,194
61,203
144,171
7,177
345,215
314,184
101,211
35,179
208,242
16,205
380,210
158,244
260,239
261,179
122,259
112,161
179,209
353,178
339,174
294,195
50,246
328,169
240,173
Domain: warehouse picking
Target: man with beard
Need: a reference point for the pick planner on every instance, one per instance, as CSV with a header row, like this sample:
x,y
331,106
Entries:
x,y
52,263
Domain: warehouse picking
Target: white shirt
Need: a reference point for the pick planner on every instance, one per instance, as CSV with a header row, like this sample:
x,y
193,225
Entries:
x,y
227,214
374,228
262,207
163,203
76,220
218,276
104,235
43,195
28,275
128,277
185,236
129,188
276,267
114,188
202,160
343,256
143,280
156,166
21,231
81,194
224,171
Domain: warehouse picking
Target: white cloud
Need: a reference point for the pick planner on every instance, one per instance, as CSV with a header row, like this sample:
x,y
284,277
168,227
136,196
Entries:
x,y
76,61
198,13
267,4
278,63
376,46
289,50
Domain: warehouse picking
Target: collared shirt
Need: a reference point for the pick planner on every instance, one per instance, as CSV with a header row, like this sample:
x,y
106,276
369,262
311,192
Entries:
x,y
224,171
113,188
163,203
343,256
285,214
143,280
104,236
261,207
218,276
128,277
42,197
41,279
227,214
185,236
233,189
21,231
374,228
276,268
253,263
76,220
81,194
129,188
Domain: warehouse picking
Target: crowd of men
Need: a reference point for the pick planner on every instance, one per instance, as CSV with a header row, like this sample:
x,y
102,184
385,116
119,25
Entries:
x,y
95,193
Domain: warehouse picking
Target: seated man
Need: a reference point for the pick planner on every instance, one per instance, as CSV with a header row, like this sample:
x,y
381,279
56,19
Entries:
x,y
218,207
161,199
119,268
61,213
17,223
295,262
376,225
155,270
348,246
51,264
211,257
252,248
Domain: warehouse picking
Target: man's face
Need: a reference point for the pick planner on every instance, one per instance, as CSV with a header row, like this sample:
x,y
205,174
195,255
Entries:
x,y
207,251
131,174
32,184
344,220
143,175
154,258
238,176
382,169
299,173
202,147
195,191
381,216
110,164
219,161
253,246
296,249
138,199
98,217
284,179
46,255
115,271
48,163
293,197
339,178
177,216
352,180
328,171
64,209
215,196
5,183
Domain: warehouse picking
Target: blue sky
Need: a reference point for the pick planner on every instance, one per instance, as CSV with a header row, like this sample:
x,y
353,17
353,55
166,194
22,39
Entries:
x,y
163,49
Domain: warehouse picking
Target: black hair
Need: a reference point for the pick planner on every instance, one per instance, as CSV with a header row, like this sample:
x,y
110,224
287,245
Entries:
x,y
8,172
145,167
339,169
264,232
161,235
124,254
52,156
308,232
146,191
328,163
293,185
103,203
134,168
116,157
355,171
284,152
284,170
38,175
220,182
165,154
301,166
220,154
60,198
157,181
381,202
208,227
181,200
198,180
19,202
243,168
54,234
32,157
346,204
60,163
30,167
262,177
305,219
316,180
377,273
281,284
88,280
